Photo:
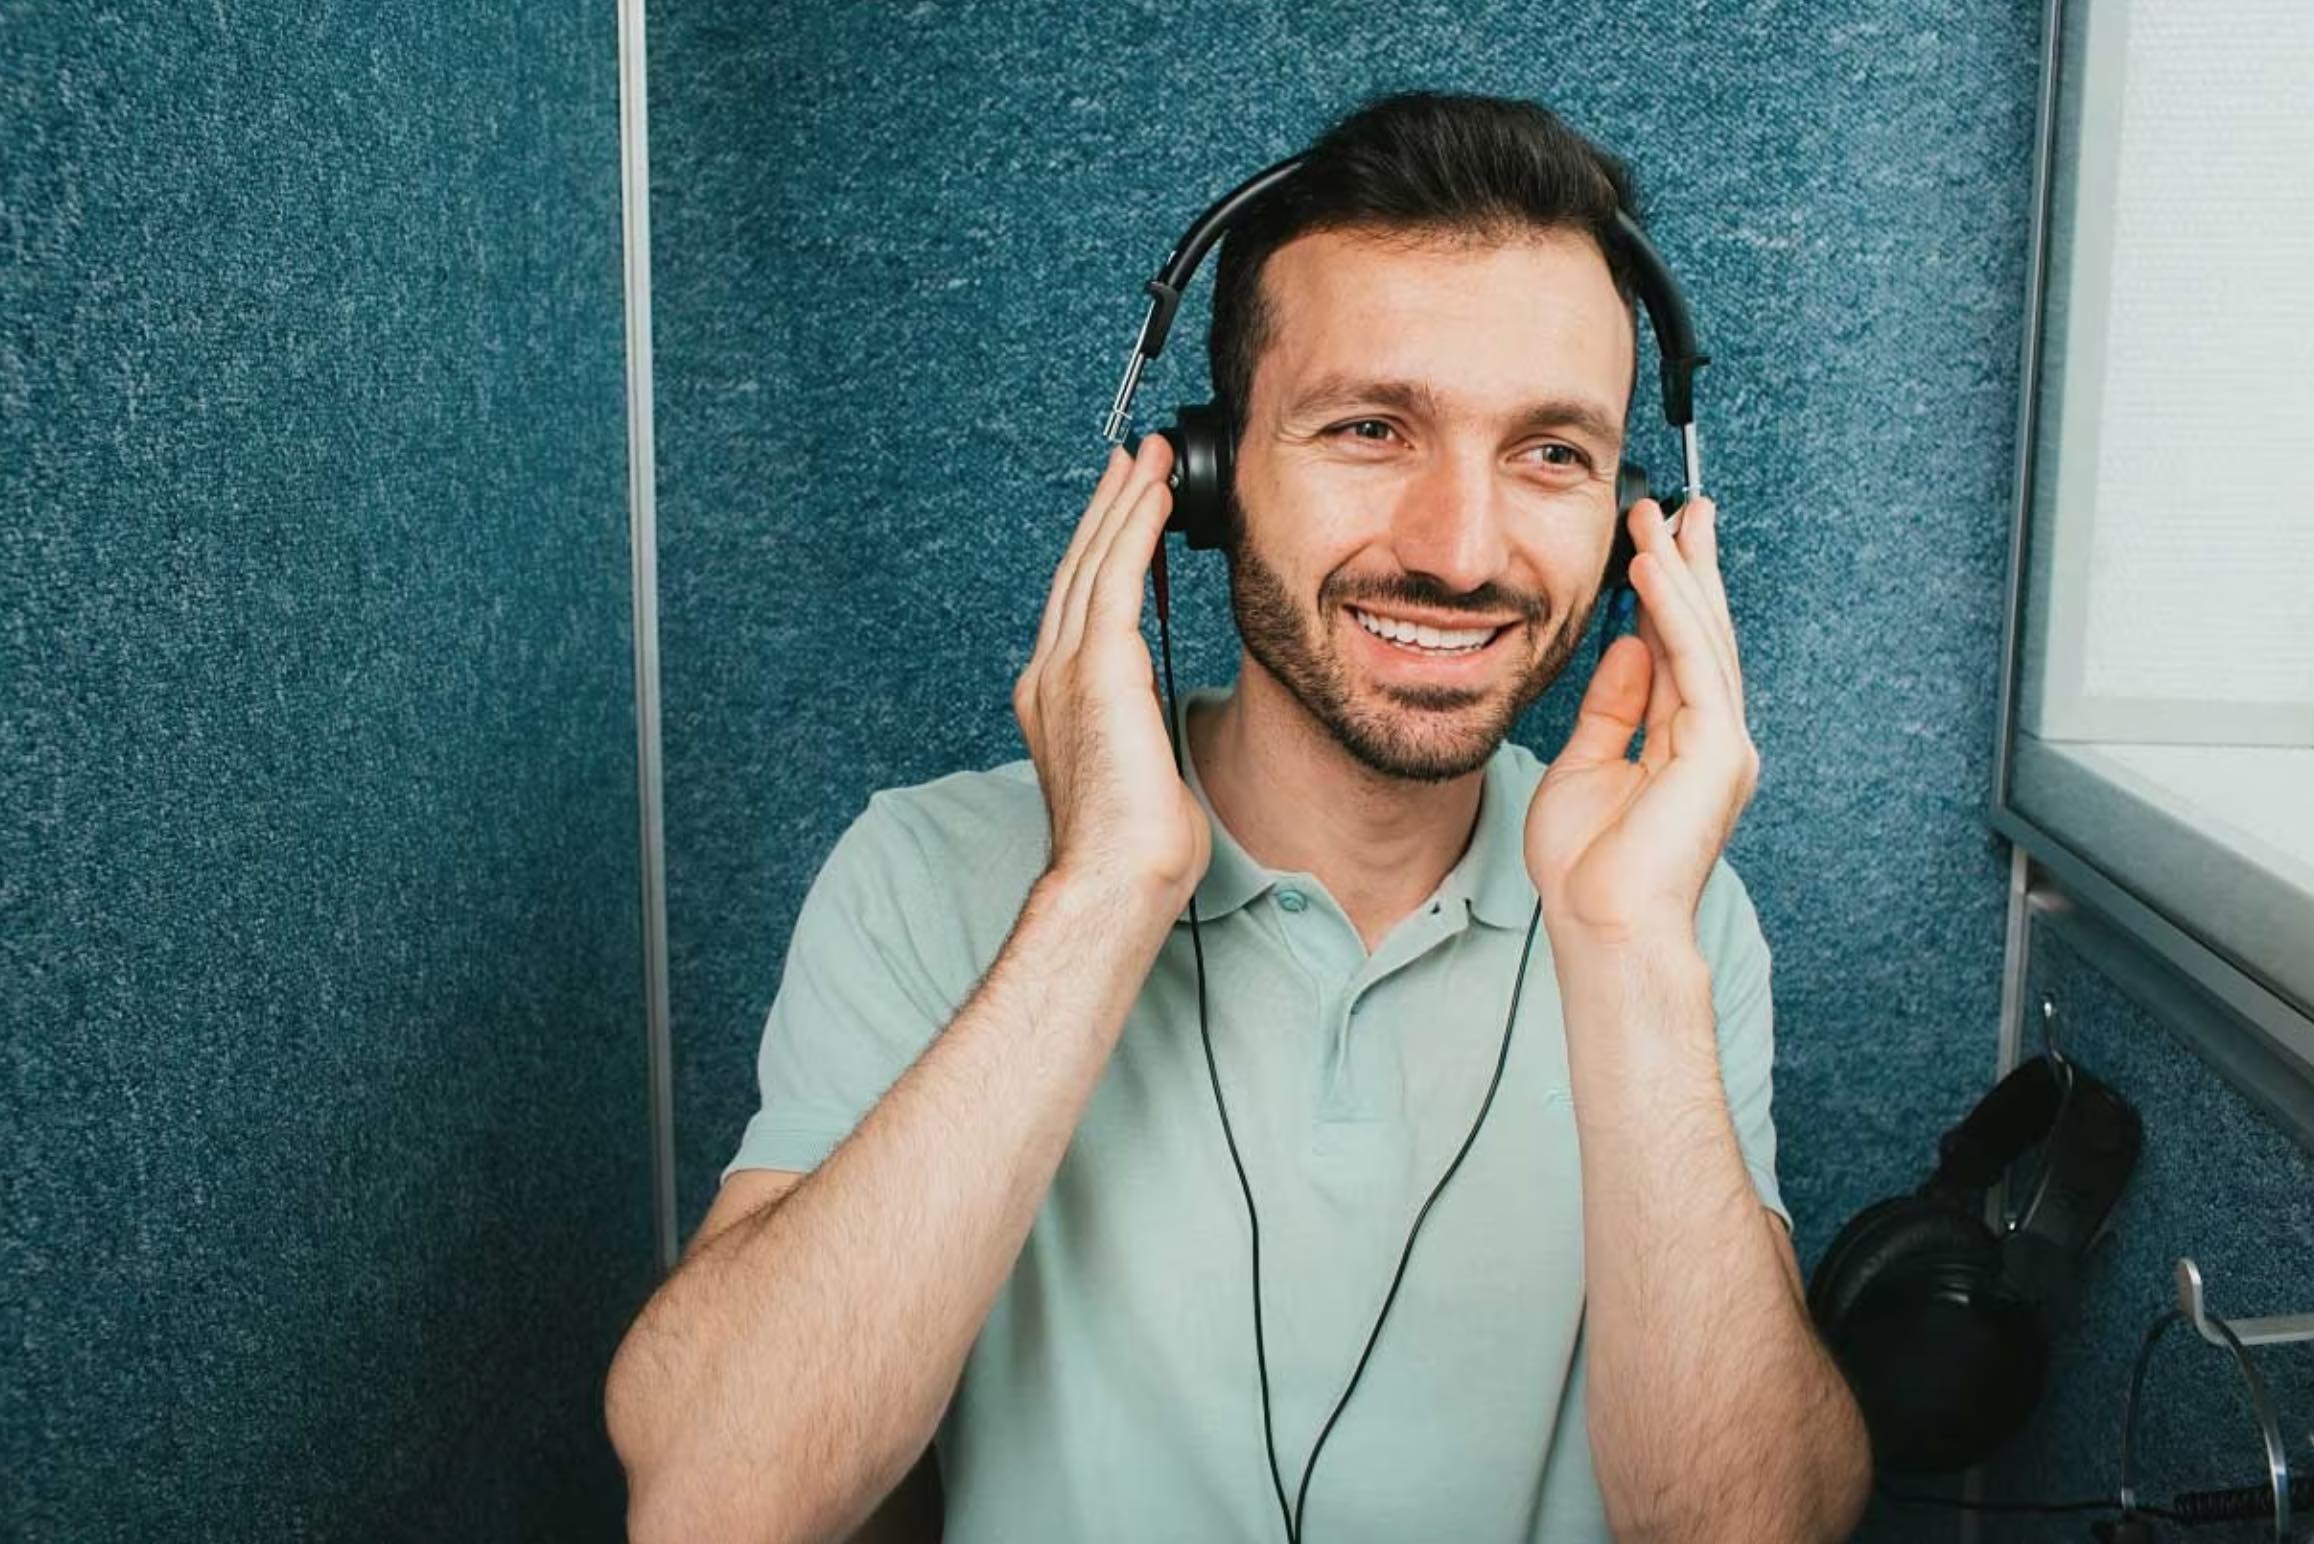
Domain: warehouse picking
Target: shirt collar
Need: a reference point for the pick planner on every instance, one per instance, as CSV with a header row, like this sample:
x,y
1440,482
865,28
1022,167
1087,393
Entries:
x,y
1491,875
1493,872
1232,878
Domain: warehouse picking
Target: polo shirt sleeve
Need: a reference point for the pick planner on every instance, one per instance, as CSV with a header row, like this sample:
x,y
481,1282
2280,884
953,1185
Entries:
x,y
864,991
1729,931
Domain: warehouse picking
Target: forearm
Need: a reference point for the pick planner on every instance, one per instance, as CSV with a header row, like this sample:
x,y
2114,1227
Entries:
x,y
793,1369
1714,1411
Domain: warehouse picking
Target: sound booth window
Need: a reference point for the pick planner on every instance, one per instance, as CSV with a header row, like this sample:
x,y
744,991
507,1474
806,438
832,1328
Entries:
x,y
2158,750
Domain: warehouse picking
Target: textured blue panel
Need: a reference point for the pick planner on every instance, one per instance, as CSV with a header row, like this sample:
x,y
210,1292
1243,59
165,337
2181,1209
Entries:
x,y
325,1184
898,255
899,251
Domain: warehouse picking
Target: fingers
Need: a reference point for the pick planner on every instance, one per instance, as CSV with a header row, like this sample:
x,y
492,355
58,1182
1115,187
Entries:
x,y
1114,475
1612,703
1698,542
1140,507
1131,550
1686,642
1121,481
1678,582
1663,700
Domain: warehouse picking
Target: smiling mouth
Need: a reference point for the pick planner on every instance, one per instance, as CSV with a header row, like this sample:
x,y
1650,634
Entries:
x,y
1422,639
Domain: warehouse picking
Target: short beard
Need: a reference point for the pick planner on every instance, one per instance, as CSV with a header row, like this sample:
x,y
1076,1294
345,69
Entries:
x,y
1430,749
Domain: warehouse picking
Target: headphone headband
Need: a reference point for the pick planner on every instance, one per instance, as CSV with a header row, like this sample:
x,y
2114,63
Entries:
x,y
2019,1111
1666,308
2090,1140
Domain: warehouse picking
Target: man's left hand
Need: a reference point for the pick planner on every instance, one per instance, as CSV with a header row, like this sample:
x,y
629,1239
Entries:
x,y
1617,848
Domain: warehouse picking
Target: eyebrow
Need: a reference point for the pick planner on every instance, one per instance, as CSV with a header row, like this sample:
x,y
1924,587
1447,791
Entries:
x,y
1334,393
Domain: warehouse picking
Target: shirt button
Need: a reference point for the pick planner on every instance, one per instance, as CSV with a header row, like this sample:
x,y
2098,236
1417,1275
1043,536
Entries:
x,y
1291,900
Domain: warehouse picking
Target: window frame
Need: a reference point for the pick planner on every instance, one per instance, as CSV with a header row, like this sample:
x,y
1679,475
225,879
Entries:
x,y
2255,1038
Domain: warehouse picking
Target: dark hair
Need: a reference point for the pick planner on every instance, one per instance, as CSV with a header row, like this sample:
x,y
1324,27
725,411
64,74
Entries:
x,y
1428,164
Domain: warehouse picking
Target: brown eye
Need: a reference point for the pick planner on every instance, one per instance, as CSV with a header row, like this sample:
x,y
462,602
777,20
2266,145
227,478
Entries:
x,y
1372,430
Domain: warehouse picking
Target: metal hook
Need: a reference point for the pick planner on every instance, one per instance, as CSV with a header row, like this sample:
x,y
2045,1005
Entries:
x,y
2218,1333
2273,1330
2234,1337
2062,1071
2049,1043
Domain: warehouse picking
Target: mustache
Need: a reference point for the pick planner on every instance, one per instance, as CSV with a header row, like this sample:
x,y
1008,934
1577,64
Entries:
x,y
1488,600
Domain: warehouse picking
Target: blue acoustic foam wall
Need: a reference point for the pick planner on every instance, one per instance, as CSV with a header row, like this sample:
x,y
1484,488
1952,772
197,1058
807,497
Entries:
x,y
899,251
326,1187
898,258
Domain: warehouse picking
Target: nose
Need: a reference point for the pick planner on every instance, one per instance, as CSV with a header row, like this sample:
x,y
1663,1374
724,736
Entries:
x,y
1449,523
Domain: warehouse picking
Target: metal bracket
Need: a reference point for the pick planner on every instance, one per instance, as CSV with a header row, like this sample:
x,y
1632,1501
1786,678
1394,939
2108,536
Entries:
x,y
2235,1337
2273,1330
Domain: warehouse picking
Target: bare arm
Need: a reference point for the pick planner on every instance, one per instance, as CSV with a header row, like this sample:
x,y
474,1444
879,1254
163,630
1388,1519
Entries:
x,y
788,1375
795,1367
1715,1413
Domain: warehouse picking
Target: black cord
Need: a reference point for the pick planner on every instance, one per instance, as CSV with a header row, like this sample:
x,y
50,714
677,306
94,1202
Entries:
x,y
2107,1504
1502,1058
1197,947
2239,1503
1292,1517
1269,1441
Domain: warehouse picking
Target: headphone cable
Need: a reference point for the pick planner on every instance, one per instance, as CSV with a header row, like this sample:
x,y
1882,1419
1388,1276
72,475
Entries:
x,y
1502,1058
2087,1504
1292,1516
1197,948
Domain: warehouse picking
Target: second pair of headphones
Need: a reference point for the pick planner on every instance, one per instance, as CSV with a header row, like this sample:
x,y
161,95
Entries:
x,y
1937,1321
1203,446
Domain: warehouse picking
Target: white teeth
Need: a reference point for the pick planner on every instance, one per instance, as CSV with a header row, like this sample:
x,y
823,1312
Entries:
x,y
1446,640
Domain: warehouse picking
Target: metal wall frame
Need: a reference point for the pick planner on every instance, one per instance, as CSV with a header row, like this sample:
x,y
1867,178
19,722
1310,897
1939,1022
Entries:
x,y
643,553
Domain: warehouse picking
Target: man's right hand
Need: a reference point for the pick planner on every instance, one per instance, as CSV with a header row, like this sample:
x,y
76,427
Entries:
x,y
787,1377
1087,702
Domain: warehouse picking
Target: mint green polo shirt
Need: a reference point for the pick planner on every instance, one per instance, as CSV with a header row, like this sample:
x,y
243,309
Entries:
x,y
1111,1394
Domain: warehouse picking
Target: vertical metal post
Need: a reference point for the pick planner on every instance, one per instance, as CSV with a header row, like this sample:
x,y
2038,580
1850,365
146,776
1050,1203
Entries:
x,y
2016,959
2017,949
2016,963
643,542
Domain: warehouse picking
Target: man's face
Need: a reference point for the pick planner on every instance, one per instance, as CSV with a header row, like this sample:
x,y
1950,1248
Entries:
x,y
1431,441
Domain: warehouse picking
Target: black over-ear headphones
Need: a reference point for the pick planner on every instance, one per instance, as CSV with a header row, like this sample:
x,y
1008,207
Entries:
x,y
1200,432
1938,1322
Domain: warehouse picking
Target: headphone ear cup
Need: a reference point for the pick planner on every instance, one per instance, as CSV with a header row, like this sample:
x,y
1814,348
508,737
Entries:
x,y
1630,488
1858,1257
1200,438
1944,1363
1861,1253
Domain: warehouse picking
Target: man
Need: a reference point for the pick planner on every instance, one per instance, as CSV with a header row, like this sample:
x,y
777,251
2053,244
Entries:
x,y
988,1197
